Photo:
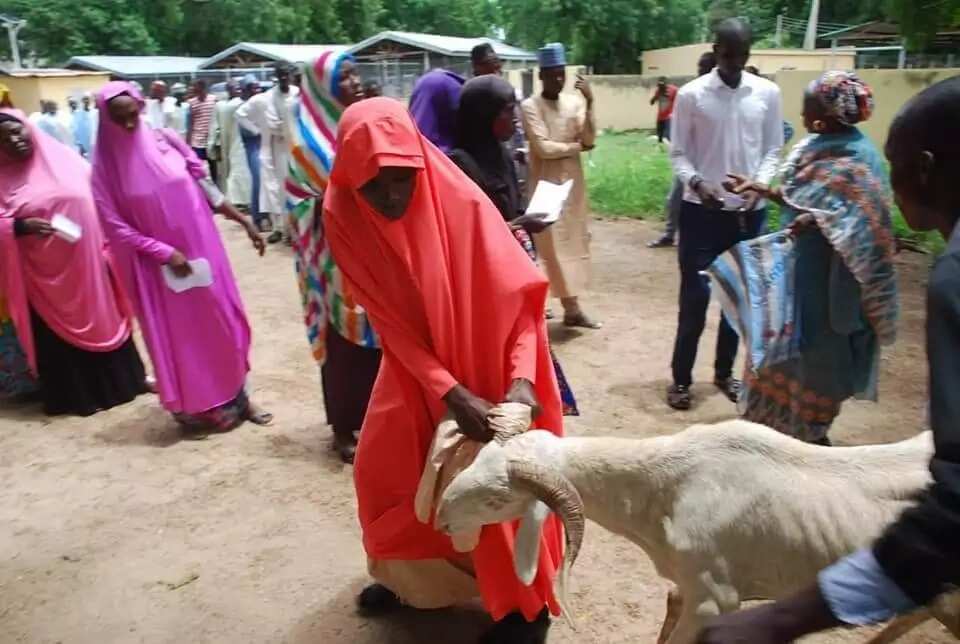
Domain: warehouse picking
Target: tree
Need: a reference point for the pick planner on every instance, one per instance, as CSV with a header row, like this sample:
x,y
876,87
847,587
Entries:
x,y
920,20
451,18
59,29
606,34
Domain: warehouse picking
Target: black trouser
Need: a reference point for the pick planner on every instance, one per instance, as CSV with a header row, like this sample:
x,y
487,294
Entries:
x,y
202,153
663,130
704,235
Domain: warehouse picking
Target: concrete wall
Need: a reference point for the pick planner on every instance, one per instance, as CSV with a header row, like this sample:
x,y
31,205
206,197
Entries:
x,y
679,61
27,92
891,87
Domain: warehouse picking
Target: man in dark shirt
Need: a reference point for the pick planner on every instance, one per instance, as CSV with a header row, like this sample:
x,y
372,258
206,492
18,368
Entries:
x,y
918,558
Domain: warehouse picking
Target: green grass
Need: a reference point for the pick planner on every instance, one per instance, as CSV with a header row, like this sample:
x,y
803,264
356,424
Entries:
x,y
629,175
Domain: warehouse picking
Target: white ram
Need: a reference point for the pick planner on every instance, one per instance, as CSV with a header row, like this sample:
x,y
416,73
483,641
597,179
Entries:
x,y
730,512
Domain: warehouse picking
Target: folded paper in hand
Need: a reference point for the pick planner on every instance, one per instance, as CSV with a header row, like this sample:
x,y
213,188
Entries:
x,y
66,229
201,277
549,198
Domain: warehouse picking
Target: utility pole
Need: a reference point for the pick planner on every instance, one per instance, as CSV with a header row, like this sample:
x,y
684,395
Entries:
x,y
13,26
778,38
810,41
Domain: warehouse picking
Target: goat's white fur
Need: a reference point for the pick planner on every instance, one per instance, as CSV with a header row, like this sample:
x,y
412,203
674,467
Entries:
x,y
729,512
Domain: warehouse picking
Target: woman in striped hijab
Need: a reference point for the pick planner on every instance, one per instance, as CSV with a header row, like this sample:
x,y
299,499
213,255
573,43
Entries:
x,y
341,338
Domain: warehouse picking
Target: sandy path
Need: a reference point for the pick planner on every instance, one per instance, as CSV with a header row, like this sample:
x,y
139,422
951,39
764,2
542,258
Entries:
x,y
115,530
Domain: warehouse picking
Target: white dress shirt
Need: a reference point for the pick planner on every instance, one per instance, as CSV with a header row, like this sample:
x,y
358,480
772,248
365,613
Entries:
x,y
718,130
159,114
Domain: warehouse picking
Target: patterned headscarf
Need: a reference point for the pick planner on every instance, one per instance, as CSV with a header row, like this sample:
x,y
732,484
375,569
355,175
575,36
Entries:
x,y
312,152
845,97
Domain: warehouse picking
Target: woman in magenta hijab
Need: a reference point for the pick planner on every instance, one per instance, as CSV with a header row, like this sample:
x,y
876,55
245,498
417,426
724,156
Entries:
x,y
154,199
68,310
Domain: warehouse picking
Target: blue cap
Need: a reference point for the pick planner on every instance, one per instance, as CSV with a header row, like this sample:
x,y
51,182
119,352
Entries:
x,y
552,55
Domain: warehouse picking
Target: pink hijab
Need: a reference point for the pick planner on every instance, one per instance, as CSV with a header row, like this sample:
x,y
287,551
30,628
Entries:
x,y
129,162
68,284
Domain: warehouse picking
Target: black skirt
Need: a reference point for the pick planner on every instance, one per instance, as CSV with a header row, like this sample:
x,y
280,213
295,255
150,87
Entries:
x,y
79,382
349,372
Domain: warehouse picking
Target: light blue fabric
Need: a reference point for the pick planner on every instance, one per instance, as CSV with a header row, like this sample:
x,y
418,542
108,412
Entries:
x,y
859,593
83,130
552,55
754,282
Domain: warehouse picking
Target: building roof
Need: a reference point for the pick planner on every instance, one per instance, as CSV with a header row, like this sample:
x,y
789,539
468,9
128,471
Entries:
x,y
880,32
453,46
47,72
246,52
133,66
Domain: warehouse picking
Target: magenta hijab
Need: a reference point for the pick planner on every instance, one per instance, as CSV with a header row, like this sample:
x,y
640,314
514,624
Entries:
x,y
149,202
69,285
131,160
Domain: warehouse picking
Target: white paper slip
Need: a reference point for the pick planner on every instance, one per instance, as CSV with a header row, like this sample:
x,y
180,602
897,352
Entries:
x,y
549,198
201,277
66,229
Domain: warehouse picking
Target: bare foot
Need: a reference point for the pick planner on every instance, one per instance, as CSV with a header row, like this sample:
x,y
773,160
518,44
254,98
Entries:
x,y
257,415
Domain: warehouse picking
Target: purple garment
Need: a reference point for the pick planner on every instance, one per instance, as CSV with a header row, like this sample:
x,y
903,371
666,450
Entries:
x,y
146,192
434,103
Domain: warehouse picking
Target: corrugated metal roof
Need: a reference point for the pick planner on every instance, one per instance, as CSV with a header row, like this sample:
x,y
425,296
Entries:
x,y
129,66
47,72
447,45
272,51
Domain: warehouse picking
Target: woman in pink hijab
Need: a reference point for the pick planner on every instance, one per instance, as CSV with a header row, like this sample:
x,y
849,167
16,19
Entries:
x,y
68,310
154,199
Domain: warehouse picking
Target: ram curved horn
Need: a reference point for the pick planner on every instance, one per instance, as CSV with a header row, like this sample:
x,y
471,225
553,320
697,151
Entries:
x,y
509,420
559,494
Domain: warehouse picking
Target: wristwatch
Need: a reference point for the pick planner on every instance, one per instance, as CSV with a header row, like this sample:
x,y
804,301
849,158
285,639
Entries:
x,y
695,181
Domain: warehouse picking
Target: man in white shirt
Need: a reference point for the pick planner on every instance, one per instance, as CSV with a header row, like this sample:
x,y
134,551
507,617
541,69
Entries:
x,y
160,108
269,115
726,122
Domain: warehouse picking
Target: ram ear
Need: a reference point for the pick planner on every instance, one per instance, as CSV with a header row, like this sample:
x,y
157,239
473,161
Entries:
x,y
526,548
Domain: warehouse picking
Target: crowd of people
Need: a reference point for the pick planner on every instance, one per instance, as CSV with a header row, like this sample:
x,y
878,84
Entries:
x,y
405,223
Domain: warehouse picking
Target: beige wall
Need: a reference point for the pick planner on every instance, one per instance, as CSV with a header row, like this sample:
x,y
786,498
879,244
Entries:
x,y
681,61
623,102
27,92
891,87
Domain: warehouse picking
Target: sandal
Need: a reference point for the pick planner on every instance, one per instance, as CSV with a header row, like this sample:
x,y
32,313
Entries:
x,y
377,599
345,445
679,397
582,321
730,387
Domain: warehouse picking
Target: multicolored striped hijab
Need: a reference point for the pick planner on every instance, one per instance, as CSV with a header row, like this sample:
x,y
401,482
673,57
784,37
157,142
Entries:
x,y
313,146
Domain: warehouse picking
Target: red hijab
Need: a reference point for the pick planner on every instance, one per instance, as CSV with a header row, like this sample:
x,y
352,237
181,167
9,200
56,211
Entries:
x,y
454,299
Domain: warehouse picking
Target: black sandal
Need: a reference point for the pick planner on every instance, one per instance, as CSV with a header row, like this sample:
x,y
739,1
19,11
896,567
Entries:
x,y
345,445
376,600
679,397
730,387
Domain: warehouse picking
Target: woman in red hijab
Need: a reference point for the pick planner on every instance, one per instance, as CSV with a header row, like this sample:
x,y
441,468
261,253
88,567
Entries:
x,y
460,311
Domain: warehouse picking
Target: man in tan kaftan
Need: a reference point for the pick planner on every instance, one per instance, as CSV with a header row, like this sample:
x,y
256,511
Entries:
x,y
559,127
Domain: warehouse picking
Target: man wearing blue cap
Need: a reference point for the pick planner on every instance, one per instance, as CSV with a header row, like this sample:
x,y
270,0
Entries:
x,y
559,127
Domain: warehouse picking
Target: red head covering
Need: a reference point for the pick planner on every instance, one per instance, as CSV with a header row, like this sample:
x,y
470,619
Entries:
x,y
454,299
67,284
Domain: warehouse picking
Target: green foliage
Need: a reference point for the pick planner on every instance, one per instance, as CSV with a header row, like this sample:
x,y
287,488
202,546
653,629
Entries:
x,y
58,29
608,35
629,175
451,18
920,21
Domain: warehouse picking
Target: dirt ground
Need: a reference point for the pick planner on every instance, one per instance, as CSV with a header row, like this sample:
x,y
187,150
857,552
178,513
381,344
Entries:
x,y
114,529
